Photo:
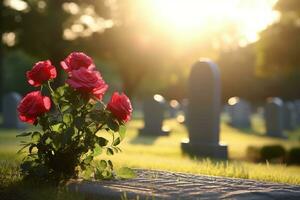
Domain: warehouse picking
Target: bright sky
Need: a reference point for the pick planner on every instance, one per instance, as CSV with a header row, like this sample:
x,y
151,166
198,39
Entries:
x,y
211,16
230,20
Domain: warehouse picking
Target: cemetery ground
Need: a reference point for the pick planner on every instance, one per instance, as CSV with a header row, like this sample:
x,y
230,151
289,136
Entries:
x,y
161,153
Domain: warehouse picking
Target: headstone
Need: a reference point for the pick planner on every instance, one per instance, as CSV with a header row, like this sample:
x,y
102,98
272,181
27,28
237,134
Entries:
x,y
10,103
297,107
289,116
154,109
274,117
239,111
173,108
204,94
182,118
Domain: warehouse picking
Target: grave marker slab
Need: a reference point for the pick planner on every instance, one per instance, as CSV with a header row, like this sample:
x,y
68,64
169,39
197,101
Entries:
x,y
274,117
289,116
203,114
239,111
154,110
10,103
173,108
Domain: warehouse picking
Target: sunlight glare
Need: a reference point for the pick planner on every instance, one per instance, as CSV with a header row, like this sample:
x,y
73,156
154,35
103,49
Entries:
x,y
189,16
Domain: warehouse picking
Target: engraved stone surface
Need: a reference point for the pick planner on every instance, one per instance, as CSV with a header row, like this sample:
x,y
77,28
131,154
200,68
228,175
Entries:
x,y
151,184
10,103
154,110
203,114
239,111
274,117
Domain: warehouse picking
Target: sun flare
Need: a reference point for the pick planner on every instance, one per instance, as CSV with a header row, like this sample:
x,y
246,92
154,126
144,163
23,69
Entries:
x,y
201,16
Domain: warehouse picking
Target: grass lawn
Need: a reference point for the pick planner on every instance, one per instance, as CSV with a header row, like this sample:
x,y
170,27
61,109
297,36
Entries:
x,y
163,153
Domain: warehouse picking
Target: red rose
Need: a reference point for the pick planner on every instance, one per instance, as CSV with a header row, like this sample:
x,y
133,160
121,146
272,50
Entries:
x,y
41,72
120,107
32,106
88,82
77,60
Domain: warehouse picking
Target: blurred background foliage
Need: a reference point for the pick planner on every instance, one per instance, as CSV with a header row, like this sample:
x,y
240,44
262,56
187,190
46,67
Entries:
x,y
136,55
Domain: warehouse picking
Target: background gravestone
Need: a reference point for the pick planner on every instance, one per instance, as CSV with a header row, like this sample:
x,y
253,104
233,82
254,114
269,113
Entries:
x,y
297,108
173,108
204,94
154,110
274,117
10,103
183,107
289,116
239,111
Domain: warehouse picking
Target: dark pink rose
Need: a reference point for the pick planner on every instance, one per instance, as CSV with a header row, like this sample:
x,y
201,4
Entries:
x,y
77,60
32,106
120,107
41,72
87,82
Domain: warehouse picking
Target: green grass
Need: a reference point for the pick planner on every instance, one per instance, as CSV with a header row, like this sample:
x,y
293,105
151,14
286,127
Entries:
x,y
164,153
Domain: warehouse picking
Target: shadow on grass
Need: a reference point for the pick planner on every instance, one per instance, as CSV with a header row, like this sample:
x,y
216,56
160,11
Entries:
x,y
14,187
248,131
146,140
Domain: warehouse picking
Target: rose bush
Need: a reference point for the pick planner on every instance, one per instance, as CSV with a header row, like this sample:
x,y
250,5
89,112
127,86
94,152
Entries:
x,y
76,129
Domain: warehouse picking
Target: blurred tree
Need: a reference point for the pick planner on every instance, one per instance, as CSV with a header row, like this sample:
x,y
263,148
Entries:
x,y
279,45
47,29
278,50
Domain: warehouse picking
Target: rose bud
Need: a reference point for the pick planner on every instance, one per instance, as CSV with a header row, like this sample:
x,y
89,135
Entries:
x,y
77,60
120,107
41,72
32,106
87,82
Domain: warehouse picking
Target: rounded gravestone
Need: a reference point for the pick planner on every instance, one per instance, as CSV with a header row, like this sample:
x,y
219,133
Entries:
x,y
203,114
154,110
274,117
10,104
239,111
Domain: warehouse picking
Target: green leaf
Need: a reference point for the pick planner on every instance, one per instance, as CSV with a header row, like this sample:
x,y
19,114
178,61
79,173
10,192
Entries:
x,y
79,122
110,164
97,150
102,164
102,141
24,134
125,173
67,136
109,151
68,118
36,136
64,107
24,146
116,142
113,124
88,160
122,132
31,147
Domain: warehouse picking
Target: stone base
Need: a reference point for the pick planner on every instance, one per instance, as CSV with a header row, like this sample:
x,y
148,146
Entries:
x,y
147,132
218,151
